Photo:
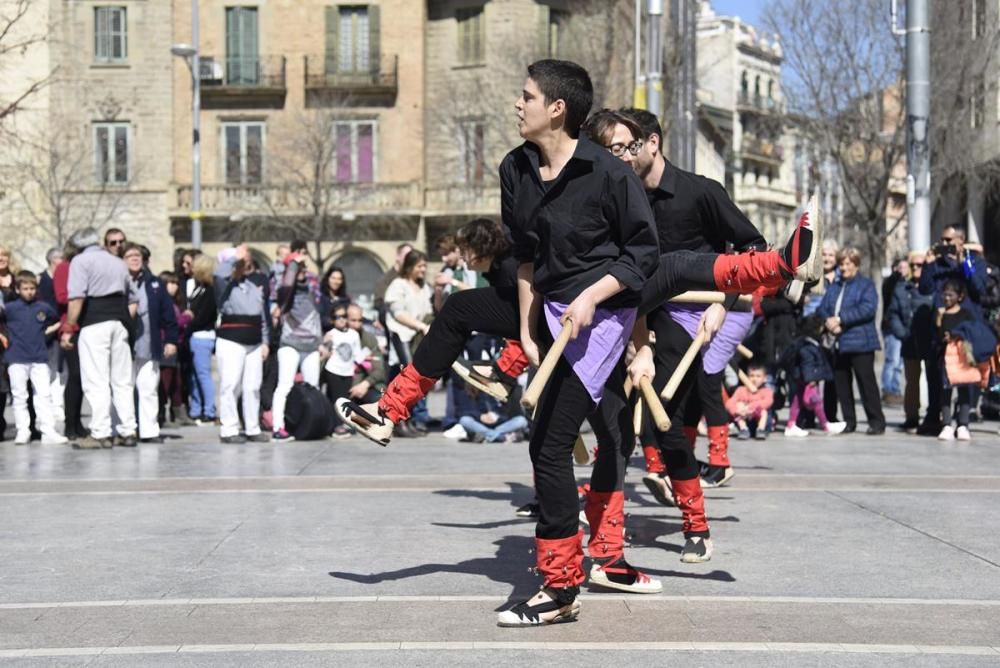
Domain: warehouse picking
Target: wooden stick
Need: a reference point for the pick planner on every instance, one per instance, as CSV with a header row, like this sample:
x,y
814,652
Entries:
x,y
744,351
745,379
705,297
534,391
580,454
660,418
682,367
637,417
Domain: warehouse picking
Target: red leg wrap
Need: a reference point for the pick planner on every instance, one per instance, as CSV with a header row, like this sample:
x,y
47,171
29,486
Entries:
x,y
691,501
745,272
718,445
653,462
560,561
512,360
606,514
403,392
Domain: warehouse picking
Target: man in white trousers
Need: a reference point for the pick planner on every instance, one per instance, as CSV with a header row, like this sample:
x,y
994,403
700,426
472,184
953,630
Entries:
x,y
156,336
101,307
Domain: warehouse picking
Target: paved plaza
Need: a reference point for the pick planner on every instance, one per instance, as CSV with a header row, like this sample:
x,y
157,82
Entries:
x,y
842,551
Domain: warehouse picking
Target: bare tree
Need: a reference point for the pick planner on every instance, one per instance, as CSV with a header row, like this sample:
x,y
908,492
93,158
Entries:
x,y
846,68
54,185
19,33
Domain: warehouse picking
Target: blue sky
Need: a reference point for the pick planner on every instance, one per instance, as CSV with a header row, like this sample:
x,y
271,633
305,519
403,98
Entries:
x,y
748,10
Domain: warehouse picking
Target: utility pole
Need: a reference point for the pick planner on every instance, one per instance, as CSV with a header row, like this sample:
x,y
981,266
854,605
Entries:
x,y
918,107
684,123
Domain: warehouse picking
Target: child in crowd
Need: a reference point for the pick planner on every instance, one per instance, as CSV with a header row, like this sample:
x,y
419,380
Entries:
x,y
956,327
750,405
343,351
29,323
171,385
806,367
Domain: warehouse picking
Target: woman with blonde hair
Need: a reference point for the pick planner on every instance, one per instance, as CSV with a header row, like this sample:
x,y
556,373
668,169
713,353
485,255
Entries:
x,y
201,339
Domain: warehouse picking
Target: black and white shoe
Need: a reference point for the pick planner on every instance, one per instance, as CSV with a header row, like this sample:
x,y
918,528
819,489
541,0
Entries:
x,y
548,606
377,428
697,550
619,574
716,476
485,377
528,510
660,488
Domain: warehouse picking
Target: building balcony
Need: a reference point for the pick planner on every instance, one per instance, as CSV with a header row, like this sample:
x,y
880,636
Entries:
x,y
377,84
243,81
462,200
277,200
757,103
761,150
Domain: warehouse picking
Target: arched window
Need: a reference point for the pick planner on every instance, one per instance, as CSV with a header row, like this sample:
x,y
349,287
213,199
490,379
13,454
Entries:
x,y
361,270
756,86
770,89
744,82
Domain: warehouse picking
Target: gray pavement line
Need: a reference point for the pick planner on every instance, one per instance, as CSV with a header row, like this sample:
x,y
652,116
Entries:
x,y
917,529
473,488
663,598
807,648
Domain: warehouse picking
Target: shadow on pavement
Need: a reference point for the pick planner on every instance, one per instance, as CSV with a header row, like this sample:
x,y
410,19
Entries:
x,y
511,565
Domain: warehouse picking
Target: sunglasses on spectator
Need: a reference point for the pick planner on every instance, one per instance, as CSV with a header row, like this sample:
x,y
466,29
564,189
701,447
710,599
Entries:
x,y
340,316
115,242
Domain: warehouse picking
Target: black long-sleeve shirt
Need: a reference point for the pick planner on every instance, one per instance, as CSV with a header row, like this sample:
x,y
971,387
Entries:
x,y
695,213
591,221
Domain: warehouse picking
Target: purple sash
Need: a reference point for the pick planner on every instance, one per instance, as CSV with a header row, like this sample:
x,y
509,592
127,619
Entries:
x,y
723,345
594,353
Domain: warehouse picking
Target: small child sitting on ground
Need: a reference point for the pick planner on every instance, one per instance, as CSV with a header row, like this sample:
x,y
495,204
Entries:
x,y
750,404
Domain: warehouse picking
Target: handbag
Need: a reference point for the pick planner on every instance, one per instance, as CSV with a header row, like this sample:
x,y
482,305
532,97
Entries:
x,y
828,340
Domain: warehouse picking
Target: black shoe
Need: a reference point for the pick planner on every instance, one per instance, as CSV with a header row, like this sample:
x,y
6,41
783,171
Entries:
x,y
850,429
717,476
472,438
528,510
404,430
909,426
703,467
419,427
697,550
234,439
876,430
761,435
259,437
152,439
77,434
129,441
929,428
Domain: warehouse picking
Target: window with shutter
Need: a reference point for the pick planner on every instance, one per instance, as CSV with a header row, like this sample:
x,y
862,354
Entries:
x,y
242,58
111,152
353,54
110,35
243,153
472,147
355,151
471,36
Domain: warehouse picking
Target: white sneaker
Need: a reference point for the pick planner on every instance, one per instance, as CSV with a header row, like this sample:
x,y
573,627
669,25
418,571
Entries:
x,y
456,432
22,438
54,439
835,427
795,431
947,434
963,434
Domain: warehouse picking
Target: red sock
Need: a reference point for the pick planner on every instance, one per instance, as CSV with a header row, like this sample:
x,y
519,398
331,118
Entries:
x,y
403,392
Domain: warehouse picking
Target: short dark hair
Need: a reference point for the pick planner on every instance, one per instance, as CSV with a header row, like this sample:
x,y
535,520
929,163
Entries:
x,y
811,326
959,229
298,245
110,231
757,366
600,127
566,81
952,284
646,120
484,237
446,244
25,276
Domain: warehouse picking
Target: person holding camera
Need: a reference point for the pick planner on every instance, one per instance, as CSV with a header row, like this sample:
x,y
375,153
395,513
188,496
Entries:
x,y
949,260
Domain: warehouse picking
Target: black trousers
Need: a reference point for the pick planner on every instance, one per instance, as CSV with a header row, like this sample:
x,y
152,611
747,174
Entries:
x,y
860,366
705,400
935,387
337,387
829,391
73,392
672,341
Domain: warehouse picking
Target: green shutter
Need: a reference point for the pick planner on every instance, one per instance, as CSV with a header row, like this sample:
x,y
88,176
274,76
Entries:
x,y
374,39
332,25
543,31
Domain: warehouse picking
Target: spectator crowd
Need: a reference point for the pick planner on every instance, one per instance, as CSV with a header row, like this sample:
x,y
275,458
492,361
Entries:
x,y
263,351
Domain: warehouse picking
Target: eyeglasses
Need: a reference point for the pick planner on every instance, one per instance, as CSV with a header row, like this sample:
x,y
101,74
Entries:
x,y
916,265
340,316
618,149
115,242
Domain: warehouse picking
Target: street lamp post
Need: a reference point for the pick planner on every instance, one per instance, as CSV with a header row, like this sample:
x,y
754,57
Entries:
x,y
191,55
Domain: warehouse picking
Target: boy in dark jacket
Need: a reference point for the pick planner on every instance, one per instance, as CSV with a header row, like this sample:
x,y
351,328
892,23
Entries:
x,y
806,366
29,322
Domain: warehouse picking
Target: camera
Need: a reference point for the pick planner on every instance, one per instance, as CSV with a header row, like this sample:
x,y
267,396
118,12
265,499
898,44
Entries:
x,y
945,249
